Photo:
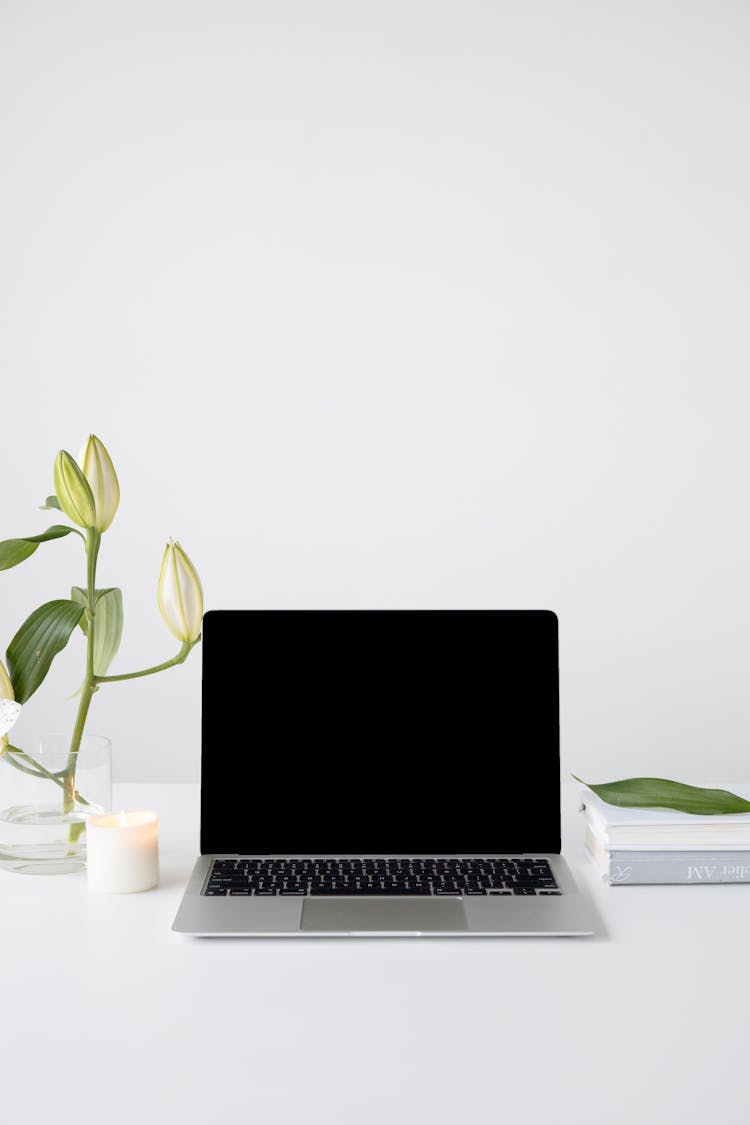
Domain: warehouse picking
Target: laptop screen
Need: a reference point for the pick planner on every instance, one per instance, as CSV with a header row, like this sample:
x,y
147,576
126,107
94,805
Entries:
x,y
380,732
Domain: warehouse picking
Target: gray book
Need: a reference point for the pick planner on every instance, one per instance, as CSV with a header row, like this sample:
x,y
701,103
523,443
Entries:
x,y
694,866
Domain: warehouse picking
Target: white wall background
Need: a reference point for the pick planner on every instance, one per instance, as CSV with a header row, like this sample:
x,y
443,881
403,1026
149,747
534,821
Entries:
x,y
406,303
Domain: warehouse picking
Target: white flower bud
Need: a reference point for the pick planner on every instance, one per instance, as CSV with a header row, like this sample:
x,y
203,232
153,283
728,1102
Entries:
x,y
96,465
180,595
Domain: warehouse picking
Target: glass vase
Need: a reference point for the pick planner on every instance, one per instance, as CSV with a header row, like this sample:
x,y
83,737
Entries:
x,y
46,796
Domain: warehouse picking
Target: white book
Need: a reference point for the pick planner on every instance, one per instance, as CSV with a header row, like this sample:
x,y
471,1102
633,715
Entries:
x,y
660,829
696,866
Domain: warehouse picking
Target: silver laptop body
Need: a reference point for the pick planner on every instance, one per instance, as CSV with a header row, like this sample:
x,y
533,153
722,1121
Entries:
x,y
357,727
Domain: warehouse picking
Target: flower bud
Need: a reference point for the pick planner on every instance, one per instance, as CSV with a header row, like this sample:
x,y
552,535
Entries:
x,y
6,687
73,491
180,595
96,465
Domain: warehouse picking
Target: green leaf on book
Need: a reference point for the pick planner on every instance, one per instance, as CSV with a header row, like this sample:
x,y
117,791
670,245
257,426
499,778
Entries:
x,y
14,551
659,793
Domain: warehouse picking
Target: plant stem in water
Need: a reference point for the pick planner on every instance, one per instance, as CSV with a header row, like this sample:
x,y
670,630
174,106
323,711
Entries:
x,y
36,769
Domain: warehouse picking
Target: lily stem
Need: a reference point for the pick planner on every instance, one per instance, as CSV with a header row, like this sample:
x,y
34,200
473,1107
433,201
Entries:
x,y
179,659
93,541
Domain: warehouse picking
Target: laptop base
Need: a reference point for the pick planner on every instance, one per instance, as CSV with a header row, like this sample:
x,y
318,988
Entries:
x,y
568,915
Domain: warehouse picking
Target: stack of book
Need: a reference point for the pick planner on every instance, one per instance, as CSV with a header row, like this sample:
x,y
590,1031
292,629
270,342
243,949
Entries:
x,y
665,846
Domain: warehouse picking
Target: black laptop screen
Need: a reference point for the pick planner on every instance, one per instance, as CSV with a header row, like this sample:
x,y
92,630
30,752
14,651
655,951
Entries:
x,y
380,732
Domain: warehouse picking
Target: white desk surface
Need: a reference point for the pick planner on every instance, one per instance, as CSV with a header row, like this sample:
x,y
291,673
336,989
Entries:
x,y
108,1016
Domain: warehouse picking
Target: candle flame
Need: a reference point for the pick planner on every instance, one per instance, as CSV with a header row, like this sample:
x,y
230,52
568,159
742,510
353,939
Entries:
x,y
123,819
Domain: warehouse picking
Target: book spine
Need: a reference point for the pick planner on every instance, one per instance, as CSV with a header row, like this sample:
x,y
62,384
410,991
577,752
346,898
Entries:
x,y
689,867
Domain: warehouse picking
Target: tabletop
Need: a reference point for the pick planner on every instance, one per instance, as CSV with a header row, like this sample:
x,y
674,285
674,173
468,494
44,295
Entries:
x,y
106,1011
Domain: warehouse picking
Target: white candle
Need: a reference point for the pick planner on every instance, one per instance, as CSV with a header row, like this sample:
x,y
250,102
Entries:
x,y
122,852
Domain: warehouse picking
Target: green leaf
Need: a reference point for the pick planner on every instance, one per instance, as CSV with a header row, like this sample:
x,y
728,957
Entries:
x,y
51,502
659,793
109,621
43,634
14,551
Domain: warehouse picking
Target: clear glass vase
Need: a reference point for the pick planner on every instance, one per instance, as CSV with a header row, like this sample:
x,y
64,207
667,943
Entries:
x,y
44,805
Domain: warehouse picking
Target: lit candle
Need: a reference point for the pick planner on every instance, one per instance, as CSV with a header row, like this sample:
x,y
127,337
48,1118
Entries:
x,y
122,852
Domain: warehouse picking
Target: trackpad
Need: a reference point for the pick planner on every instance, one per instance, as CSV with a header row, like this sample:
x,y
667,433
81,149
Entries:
x,y
384,915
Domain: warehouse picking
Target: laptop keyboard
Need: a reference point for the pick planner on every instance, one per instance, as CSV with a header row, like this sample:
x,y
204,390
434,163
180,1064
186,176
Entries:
x,y
331,877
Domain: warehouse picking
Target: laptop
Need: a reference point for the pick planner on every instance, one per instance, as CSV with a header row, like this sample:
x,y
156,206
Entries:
x,y
380,773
